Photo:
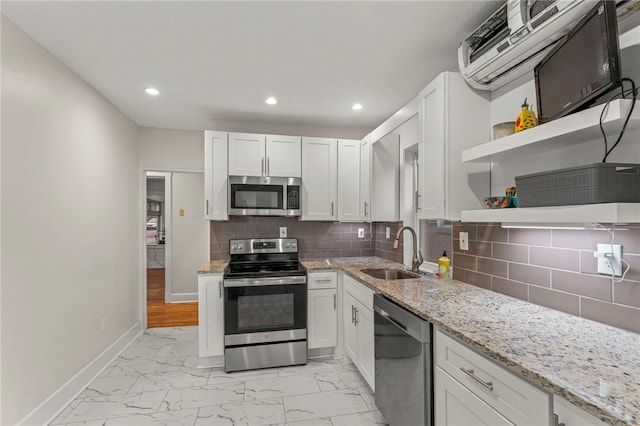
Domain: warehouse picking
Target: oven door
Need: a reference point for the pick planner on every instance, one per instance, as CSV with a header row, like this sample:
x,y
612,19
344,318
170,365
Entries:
x,y
261,310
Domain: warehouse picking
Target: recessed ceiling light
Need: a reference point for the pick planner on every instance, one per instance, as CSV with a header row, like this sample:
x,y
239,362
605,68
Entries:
x,y
357,107
151,91
271,100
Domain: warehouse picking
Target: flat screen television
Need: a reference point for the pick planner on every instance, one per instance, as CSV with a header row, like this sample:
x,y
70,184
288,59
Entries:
x,y
582,67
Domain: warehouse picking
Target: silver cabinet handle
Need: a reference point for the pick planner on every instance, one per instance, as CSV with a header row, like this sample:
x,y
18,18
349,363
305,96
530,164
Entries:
x,y
471,374
365,208
334,302
324,280
332,208
206,203
556,420
356,319
262,167
353,314
268,168
220,286
417,201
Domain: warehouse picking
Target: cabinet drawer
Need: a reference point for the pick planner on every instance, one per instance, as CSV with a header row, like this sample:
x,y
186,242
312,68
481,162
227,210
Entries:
x,y
518,400
317,280
360,291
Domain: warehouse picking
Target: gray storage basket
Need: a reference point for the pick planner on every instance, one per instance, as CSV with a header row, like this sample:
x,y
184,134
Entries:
x,y
592,184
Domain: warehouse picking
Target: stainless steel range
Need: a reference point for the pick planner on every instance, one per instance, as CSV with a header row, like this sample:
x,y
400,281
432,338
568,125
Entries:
x,y
265,305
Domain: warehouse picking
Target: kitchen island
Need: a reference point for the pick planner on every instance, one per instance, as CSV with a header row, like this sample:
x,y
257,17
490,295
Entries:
x,y
594,366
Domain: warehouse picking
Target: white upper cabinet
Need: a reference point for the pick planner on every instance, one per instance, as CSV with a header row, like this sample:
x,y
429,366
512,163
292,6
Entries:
x,y
260,155
348,180
452,117
215,175
284,156
319,179
365,179
246,154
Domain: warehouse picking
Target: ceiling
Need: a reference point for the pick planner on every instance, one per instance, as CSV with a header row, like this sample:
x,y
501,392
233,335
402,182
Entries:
x,y
216,62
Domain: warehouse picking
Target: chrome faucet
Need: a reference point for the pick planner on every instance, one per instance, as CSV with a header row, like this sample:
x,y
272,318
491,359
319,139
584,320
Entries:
x,y
417,257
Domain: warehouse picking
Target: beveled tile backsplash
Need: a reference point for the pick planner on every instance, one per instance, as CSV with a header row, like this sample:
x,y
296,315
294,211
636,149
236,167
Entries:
x,y
552,267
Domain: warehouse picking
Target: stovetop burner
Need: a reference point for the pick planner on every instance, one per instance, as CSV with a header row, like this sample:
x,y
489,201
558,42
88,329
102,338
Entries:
x,y
264,258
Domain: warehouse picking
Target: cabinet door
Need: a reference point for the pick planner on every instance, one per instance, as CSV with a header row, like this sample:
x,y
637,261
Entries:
x,y
284,156
365,178
431,116
349,306
570,415
210,315
246,154
319,179
215,175
348,180
322,318
366,345
455,405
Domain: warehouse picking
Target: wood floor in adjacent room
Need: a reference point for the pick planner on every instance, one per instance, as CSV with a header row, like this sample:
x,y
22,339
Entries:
x,y
160,314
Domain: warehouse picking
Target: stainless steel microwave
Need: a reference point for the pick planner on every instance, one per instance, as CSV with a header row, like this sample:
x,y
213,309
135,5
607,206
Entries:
x,y
264,196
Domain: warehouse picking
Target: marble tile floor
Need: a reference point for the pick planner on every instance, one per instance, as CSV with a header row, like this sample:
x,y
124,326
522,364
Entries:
x,y
155,381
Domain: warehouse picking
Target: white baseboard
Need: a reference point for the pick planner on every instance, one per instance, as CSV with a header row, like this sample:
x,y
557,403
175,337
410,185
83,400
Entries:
x,y
47,411
184,297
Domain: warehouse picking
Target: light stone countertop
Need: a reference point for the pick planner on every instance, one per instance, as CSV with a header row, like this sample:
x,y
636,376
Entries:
x,y
213,267
594,366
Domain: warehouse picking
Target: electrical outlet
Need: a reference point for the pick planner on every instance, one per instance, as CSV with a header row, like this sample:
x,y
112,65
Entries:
x,y
609,259
283,232
387,233
464,240
360,232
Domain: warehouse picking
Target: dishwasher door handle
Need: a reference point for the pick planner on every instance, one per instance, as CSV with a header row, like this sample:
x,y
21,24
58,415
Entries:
x,y
386,316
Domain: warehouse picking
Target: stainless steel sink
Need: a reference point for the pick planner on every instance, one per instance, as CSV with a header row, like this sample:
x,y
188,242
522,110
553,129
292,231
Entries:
x,y
390,274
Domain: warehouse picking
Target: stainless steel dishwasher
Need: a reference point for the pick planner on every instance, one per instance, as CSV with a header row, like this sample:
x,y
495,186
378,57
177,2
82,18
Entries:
x,y
403,367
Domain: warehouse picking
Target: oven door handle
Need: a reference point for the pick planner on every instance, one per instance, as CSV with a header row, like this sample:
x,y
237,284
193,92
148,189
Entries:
x,y
252,282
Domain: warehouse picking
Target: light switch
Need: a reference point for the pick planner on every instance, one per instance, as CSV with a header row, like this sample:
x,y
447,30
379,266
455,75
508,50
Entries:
x,y
181,212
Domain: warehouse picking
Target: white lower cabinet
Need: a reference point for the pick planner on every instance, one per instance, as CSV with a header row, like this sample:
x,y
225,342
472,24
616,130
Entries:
x,y
570,415
455,404
322,310
210,316
358,327
470,389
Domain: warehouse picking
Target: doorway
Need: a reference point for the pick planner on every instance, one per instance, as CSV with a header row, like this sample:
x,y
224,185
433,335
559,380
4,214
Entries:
x,y
176,246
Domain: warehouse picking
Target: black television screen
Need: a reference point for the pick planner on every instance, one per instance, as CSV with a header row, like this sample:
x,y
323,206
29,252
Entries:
x,y
581,67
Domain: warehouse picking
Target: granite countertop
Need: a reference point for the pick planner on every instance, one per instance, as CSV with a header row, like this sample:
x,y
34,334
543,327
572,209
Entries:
x,y
213,267
594,366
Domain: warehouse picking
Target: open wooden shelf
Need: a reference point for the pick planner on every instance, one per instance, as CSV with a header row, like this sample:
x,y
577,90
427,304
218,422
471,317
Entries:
x,y
571,130
586,213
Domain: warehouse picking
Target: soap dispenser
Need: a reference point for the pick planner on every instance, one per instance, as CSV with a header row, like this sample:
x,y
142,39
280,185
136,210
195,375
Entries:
x,y
444,265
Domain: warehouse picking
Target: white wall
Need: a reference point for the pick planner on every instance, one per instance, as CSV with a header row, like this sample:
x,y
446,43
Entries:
x,y
165,149
69,224
189,233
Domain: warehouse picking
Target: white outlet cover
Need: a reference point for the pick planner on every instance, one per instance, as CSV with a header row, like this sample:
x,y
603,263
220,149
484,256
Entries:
x,y
283,232
360,232
605,264
464,240
387,233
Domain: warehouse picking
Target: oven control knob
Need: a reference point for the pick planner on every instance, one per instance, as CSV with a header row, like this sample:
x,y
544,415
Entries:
x,y
288,245
233,247
240,246
293,244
